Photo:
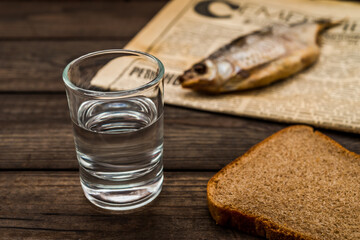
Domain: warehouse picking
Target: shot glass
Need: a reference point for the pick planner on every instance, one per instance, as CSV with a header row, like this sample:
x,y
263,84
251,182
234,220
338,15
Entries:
x,y
116,105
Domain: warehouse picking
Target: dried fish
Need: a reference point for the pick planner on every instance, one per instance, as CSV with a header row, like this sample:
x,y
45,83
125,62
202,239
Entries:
x,y
258,59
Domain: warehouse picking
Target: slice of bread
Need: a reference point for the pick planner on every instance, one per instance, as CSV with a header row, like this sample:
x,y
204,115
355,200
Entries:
x,y
296,184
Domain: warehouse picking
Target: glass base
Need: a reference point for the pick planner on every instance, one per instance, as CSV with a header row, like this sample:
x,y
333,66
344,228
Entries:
x,y
123,199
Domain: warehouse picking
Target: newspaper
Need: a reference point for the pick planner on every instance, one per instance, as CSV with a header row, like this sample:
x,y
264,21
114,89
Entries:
x,y
325,95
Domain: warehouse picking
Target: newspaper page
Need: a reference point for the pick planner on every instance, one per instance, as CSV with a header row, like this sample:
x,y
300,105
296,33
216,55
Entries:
x,y
325,95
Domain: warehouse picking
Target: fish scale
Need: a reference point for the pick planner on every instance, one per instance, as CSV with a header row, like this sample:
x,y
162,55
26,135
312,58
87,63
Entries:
x,y
259,53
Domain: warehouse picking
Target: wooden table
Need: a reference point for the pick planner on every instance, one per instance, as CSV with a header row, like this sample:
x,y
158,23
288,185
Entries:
x,y
40,194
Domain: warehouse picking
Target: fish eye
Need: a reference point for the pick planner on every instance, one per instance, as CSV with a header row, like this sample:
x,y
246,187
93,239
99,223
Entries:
x,y
200,68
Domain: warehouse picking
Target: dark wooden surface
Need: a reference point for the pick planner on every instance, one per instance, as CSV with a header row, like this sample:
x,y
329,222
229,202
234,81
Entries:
x,y
40,194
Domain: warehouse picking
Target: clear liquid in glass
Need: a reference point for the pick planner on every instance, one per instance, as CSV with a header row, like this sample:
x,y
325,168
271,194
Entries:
x,y
119,146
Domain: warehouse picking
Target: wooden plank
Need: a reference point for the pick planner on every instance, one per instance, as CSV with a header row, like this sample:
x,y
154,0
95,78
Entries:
x,y
36,66
73,19
36,134
51,205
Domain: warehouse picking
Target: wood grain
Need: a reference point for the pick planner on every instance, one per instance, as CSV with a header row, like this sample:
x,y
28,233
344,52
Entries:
x,y
37,134
51,205
36,66
73,19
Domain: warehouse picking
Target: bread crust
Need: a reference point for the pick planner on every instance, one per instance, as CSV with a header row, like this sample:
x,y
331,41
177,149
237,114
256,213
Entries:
x,y
246,222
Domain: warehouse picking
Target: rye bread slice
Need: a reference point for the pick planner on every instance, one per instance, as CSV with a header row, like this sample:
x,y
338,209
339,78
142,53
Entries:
x,y
296,184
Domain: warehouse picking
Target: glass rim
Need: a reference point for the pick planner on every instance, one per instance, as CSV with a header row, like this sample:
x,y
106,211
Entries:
x,y
140,88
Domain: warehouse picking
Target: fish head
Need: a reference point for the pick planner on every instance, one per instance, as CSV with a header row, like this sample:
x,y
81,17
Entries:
x,y
201,75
